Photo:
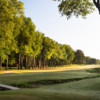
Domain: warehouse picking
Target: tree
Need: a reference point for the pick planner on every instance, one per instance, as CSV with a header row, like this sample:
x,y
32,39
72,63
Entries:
x,y
97,4
70,54
77,7
10,11
37,39
63,55
26,40
79,57
90,60
56,56
47,50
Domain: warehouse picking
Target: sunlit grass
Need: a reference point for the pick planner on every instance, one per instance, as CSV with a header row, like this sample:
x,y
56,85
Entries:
x,y
11,78
53,69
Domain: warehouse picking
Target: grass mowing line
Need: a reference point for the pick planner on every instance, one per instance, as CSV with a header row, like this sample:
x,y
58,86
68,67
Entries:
x,y
50,82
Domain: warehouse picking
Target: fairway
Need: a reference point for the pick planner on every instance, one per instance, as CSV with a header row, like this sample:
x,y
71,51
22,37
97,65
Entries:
x,y
87,88
46,56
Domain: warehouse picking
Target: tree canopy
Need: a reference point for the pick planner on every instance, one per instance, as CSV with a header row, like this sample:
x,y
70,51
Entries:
x,y
79,57
77,7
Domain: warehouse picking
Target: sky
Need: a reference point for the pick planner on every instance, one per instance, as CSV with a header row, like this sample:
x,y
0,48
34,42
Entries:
x,y
79,33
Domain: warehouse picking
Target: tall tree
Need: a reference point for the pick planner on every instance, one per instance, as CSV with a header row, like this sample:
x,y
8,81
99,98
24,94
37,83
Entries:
x,y
64,55
25,40
90,60
10,10
36,46
70,54
47,50
79,57
57,55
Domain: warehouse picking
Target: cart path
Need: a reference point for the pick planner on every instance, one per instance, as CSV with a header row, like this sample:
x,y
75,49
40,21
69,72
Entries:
x,y
7,87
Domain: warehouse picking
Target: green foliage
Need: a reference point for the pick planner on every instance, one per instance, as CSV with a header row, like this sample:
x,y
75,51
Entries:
x,y
25,37
75,7
10,11
70,54
48,47
37,43
90,60
23,46
79,57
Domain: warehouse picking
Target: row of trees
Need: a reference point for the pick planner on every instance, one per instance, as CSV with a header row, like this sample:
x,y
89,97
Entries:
x,y
81,59
22,46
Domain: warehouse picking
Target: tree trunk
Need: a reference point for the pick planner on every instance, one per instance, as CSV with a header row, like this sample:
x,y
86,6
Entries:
x,y
43,63
40,64
97,4
26,62
46,63
0,63
19,61
33,63
6,64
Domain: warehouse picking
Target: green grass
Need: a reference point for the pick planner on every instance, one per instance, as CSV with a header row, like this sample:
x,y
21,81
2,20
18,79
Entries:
x,y
95,70
29,95
87,89
26,77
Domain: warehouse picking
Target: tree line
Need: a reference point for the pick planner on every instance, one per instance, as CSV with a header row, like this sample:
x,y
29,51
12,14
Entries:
x,y
24,47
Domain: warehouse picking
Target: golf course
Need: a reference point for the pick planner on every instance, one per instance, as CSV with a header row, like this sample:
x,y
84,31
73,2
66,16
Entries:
x,y
49,50
62,83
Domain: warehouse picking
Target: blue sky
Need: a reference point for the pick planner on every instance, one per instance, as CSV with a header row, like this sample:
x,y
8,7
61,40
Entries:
x,y
79,33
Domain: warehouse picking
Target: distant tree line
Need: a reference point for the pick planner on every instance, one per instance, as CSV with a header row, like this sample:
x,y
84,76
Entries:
x,y
22,46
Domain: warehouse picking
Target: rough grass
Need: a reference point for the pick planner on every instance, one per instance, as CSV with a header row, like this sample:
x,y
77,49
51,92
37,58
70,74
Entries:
x,y
95,70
